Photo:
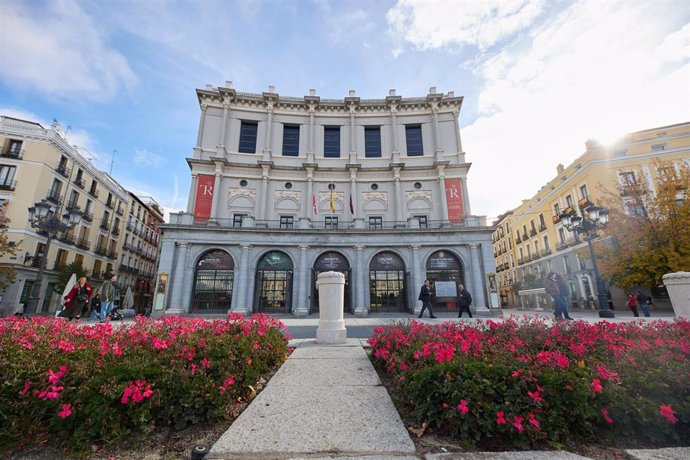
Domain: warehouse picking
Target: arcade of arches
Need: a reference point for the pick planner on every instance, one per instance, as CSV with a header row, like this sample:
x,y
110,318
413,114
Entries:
x,y
389,281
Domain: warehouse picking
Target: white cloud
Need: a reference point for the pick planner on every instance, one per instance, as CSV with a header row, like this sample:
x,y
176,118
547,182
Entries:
x,y
435,23
143,157
59,50
593,70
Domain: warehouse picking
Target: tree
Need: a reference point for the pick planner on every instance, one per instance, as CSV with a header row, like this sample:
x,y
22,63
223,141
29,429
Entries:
x,y
66,272
652,238
8,248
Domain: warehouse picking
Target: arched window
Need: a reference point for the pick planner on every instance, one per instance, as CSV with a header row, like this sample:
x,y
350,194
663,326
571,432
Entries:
x,y
213,282
387,282
273,291
331,261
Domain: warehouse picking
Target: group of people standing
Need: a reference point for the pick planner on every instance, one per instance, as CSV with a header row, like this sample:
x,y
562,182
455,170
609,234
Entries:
x,y
78,300
464,300
641,300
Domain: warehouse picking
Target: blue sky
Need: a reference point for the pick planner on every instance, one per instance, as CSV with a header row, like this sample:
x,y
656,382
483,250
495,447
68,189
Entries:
x,y
539,77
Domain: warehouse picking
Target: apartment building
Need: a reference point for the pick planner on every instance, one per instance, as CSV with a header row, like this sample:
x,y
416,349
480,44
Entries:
x,y
530,240
37,165
284,188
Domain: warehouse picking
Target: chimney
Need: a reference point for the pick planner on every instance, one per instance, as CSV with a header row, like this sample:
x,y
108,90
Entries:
x,y
228,84
352,93
391,92
312,92
559,168
271,89
432,90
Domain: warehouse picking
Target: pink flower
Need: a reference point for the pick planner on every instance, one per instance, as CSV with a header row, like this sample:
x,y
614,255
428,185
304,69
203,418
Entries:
x,y
444,405
535,395
134,393
462,407
517,423
159,344
27,385
500,419
66,411
596,386
533,421
606,374
605,413
228,382
667,412
444,352
205,362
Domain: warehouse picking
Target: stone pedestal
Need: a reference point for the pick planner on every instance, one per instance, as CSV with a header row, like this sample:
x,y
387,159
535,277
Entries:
x,y
678,287
331,286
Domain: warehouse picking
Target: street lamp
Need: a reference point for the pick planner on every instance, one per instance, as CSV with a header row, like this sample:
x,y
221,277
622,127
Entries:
x,y
593,218
42,217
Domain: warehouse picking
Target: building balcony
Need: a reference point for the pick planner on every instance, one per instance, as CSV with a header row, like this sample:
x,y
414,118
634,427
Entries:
x,y
547,252
72,205
54,197
521,260
561,246
120,211
7,184
105,225
112,255
96,274
83,243
542,227
556,218
59,265
533,232
63,170
110,204
584,202
11,153
116,231
94,193
80,182
69,239
101,250
518,240
87,216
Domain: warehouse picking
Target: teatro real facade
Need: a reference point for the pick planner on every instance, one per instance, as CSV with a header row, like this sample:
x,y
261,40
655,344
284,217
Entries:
x,y
284,188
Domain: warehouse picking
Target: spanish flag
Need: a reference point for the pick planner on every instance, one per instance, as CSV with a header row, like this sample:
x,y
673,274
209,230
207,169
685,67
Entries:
x,y
332,203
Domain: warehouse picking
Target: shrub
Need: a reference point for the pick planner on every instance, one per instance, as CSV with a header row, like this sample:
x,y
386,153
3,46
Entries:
x,y
98,384
522,383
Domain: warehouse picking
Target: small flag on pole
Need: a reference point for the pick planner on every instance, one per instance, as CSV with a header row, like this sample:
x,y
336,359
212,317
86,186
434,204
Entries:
x,y
313,204
332,203
352,208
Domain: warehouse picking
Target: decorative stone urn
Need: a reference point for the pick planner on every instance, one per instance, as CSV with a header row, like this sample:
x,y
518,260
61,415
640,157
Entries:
x,y
678,287
331,286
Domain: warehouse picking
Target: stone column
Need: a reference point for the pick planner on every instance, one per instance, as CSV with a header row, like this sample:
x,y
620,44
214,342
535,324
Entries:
x,y
331,287
202,120
417,278
437,135
262,202
301,308
456,128
360,283
241,305
226,106
216,193
312,109
398,197
269,126
678,287
442,194
310,195
394,128
478,293
465,197
176,301
192,194
353,145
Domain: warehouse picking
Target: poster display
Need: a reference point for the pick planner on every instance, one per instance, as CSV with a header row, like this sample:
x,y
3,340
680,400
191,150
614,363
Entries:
x,y
454,200
445,289
204,197
159,294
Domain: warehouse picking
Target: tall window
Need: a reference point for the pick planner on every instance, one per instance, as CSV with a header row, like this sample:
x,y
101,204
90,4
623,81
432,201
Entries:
x,y
557,209
331,222
413,135
73,199
627,178
372,142
7,175
561,235
569,201
248,137
290,141
546,242
542,224
583,191
331,142
286,221
375,223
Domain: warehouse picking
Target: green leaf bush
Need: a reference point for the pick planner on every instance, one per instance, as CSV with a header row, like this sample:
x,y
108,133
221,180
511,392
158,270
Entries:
x,y
523,383
93,385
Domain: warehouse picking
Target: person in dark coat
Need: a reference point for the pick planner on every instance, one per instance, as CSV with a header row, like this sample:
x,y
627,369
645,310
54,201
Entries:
x,y
77,299
643,301
464,301
425,297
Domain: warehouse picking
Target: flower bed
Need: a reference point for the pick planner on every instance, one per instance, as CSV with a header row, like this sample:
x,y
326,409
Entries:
x,y
97,384
522,383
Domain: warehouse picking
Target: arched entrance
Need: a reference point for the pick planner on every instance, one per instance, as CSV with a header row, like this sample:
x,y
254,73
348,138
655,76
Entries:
x,y
213,282
331,261
444,266
273,292
387,283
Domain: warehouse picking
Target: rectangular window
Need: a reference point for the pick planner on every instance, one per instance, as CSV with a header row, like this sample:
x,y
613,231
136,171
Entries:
x,y
248,137
583,191
331,222
569,201
73,200
15,147
413,135
658,148
7,175
561,235
331,142
375,223
423,223
556,209
237,220
372,142
290,141
286,221
542,224
546,243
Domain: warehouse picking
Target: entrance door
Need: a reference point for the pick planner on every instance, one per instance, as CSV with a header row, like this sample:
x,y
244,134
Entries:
x,y
273,291
444,266
387,288
331,261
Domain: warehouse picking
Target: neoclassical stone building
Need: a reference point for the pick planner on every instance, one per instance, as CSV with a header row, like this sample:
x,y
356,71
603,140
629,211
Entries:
x,y
286,187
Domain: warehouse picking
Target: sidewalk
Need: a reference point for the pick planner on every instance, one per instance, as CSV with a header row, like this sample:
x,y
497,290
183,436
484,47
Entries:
x,y
327,402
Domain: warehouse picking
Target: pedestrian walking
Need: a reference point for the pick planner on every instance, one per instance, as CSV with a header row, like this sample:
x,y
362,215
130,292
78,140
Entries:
x,y
643,301
77,299
425,297
632,304
108,293
95,307
564,294
556,287
464,301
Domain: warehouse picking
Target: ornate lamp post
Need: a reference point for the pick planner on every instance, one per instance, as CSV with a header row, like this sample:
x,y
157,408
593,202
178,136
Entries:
x,y
593,218
42,217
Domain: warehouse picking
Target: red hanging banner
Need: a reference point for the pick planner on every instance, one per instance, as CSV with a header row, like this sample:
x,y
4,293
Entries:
x,y
204,197
454,200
